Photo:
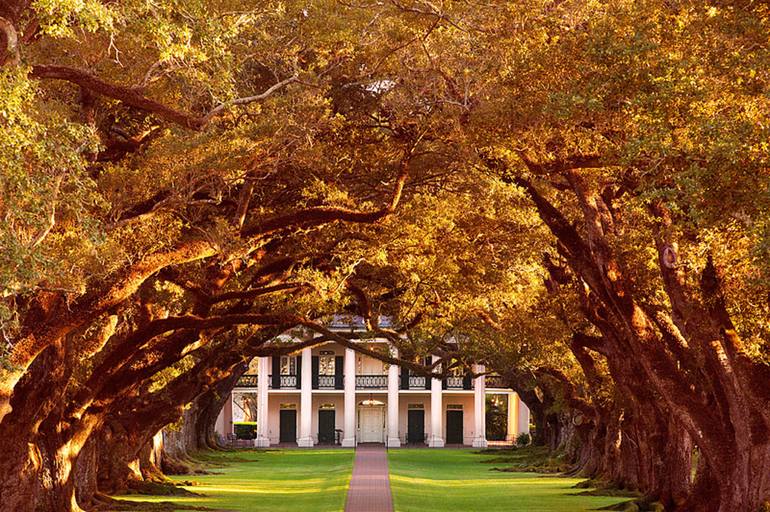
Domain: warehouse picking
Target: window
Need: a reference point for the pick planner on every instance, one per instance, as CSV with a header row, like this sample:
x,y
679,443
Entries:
x,y
245,407
288,365
454,407
288,406
326,363
415,406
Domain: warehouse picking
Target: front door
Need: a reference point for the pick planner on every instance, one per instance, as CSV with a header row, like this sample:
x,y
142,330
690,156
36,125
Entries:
x,y
415,426
372,424
288,426
454,427
326,426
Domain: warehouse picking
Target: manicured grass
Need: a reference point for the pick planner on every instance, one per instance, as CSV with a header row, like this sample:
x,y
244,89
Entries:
x,y
424,480
271,480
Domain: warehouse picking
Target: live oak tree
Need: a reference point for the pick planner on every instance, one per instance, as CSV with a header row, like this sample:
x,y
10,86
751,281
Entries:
x,y
160,176
574,193
642,174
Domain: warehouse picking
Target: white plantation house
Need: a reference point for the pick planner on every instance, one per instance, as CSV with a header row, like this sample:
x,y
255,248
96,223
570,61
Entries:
x,y
332,394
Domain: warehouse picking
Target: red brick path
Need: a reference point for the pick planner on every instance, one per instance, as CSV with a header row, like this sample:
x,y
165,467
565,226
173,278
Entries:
x,y
370,486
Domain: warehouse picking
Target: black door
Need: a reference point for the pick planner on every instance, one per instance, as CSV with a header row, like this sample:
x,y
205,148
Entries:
x,y
288,426
326,426
454,427
415,426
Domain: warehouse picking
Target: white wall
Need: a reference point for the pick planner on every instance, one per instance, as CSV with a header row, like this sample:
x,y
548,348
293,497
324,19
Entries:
x,y
274,401
469,424
523,417
404,400
219,426
338,400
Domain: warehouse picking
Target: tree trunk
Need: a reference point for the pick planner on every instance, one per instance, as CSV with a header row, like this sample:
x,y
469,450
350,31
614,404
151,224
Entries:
x,y
209,404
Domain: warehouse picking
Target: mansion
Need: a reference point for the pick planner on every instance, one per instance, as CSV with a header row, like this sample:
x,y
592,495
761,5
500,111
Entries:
x,y
331,394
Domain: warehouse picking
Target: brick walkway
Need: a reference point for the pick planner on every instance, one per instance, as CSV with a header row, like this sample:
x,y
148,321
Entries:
x,y
370,486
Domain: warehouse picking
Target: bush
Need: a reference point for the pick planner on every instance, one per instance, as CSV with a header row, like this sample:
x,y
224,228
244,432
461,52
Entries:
x,y
245,430
523,439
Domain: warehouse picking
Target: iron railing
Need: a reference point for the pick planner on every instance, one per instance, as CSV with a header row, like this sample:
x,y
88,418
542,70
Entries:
x,y
327,382
417,382
455,382
366,382
284,382
371,382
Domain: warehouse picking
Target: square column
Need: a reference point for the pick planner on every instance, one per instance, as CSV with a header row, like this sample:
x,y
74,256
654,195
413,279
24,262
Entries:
x,y
523,427
306,401
513,417
436,413
480,409
393,439
349,430
262,440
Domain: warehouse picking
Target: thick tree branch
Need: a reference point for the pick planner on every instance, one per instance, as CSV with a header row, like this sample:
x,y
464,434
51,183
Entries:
x,y
134,98
318,215
9,43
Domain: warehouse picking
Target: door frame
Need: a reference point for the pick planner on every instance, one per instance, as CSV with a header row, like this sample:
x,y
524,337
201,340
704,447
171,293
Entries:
x,y
280,424
333,414
454,412
383,414
408,423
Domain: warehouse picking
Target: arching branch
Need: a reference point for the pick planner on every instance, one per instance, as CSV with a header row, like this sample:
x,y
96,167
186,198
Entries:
x,y
134,98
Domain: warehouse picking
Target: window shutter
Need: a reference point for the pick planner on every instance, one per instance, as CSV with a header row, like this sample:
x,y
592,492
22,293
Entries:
x,y
298,369
315,363
339,366
404,378
276,372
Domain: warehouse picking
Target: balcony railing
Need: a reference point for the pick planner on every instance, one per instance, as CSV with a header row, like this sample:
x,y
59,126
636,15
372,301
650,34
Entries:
x,y
371,382
417,382
327,382
247,381
365,382
284,382
454,382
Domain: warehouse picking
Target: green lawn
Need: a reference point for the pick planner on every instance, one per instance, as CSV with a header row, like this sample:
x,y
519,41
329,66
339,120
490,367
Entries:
x,y
272,480
454,480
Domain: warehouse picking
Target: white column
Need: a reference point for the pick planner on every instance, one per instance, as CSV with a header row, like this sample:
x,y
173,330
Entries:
x,y
349,430
262,440
479,403
393,439
513,416
306,401
435,440
523,418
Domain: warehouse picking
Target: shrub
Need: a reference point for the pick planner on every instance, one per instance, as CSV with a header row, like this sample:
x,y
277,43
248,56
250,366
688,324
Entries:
x,y
245,430
523,439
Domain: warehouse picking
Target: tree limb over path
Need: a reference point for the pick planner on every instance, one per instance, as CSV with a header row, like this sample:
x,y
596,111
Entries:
x,y
134,98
